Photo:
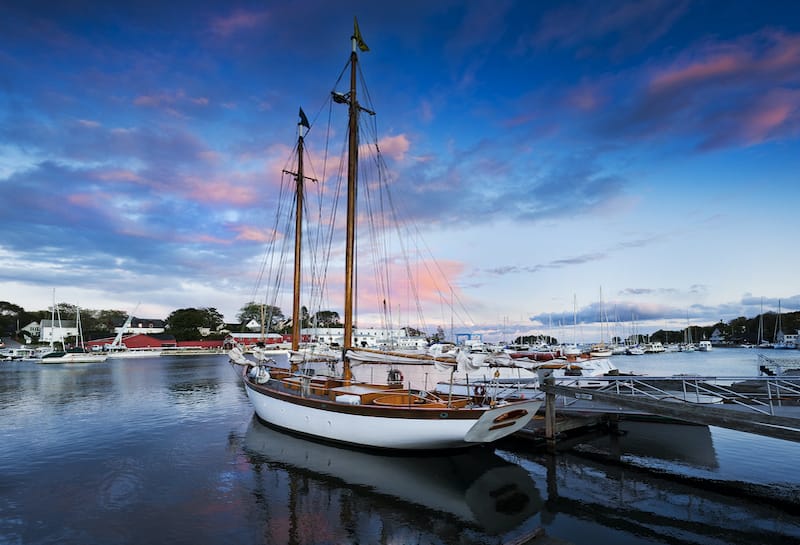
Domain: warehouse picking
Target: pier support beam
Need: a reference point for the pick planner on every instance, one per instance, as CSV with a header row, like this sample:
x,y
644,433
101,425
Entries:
x,y
550,415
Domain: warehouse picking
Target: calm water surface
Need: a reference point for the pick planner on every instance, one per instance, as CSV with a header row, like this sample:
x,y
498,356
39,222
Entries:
x,y
166,450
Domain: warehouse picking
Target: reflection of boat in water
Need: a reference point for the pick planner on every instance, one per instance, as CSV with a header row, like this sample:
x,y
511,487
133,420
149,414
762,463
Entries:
x,y
593,498
659,442
476,486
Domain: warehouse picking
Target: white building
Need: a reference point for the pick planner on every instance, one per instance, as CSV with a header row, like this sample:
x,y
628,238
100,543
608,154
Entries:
x,y
33,329
57,331
365,337
718,337
143,326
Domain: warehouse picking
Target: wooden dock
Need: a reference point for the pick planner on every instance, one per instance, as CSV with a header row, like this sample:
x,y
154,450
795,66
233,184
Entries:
x,y
768,406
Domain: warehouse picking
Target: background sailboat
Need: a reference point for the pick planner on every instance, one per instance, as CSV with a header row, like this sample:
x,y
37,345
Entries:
x,y
75,354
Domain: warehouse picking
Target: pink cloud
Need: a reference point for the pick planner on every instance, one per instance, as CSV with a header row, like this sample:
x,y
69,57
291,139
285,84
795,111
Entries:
x,y
238,21
169,101
771,114
395,147
219,191
585,98
772,55
207,239
210,156
253,234
723,94
698,72
116,175
85,200
426,281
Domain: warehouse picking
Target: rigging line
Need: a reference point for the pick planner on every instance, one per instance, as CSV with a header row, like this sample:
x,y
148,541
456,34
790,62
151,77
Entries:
x,y
322,245
442,275
269,251
412,286
379,250
385,190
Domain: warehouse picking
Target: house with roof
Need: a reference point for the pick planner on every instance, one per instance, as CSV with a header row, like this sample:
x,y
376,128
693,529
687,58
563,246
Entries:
x,y
31,331
53,331
141,326
718,337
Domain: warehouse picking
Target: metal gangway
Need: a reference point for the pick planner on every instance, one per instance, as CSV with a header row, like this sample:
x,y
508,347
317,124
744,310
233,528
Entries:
x,y
765,405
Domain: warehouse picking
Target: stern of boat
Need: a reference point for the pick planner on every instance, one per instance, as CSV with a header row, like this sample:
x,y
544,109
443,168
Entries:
x,y
502,421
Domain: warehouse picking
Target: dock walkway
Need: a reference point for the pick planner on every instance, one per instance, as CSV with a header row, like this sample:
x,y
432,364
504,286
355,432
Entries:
x,y
767,405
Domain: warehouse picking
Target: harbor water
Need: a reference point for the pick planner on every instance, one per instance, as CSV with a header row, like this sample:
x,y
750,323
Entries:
x,y
167,450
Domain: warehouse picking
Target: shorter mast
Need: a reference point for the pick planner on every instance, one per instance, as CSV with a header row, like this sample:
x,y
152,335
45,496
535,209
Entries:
x,y
298,236
298,232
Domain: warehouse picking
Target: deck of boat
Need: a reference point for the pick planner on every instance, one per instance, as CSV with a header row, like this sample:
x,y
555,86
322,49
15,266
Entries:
x,y
356,393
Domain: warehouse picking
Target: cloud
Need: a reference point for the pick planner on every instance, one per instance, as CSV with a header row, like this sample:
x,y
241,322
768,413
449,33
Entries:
x,y
395,147
616,30
239,21
173,103
719,94
218,191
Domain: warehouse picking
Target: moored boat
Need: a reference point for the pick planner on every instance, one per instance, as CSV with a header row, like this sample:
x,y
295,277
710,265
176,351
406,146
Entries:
x,y
334,406
73,355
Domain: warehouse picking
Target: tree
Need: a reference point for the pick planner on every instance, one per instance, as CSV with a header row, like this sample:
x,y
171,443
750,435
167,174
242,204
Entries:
x,y
252,311
185,323
437,337
9,315
327,318
107,320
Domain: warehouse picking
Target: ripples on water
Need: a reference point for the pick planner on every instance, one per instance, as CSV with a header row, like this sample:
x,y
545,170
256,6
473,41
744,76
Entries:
x,y
166,450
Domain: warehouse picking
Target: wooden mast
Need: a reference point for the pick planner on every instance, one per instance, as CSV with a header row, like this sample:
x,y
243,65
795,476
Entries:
x,y
352,175
298,237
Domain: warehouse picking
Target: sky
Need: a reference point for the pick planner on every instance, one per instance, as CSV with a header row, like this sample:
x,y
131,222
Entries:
x,y
640,156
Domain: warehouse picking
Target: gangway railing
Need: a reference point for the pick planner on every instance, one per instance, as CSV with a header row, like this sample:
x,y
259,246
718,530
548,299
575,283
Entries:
x,y
777,367
763,394
766,405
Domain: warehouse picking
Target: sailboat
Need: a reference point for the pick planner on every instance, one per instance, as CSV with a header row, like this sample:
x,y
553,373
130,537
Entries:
x,y
118,350
76,354
781,341
572,350
600,350
762,342
339,408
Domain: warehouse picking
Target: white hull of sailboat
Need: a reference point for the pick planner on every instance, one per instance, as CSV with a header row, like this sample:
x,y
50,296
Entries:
x,y
129,354
77,357
433,429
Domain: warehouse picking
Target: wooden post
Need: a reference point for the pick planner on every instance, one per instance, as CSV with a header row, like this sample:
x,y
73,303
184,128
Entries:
x,y
550,415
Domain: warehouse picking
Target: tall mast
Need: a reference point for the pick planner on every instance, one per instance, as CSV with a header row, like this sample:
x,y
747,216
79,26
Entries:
x,y
352,178
352,173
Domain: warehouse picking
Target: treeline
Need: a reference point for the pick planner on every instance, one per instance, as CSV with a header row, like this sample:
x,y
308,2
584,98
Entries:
x,y
737,331
185,324
188,324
